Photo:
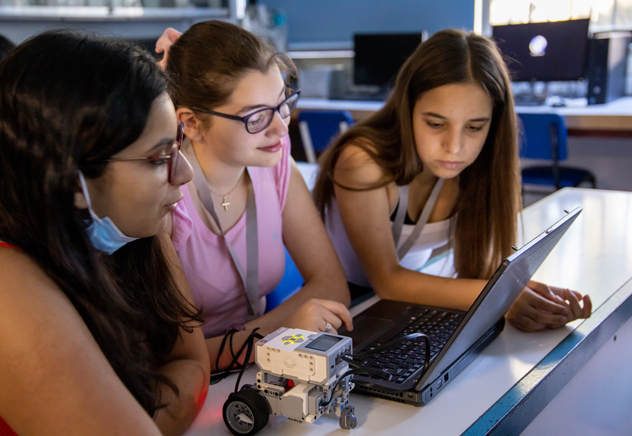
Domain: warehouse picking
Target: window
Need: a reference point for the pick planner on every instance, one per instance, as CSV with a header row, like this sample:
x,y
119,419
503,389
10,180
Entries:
x,y
605,15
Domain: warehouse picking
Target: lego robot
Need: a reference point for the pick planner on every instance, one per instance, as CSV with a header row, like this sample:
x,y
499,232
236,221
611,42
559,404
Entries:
x,y
303,375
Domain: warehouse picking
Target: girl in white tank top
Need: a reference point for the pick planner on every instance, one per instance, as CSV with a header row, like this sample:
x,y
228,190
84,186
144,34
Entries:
x,y
444,147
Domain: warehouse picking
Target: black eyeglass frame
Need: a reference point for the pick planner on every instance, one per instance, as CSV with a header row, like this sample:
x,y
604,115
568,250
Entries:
x,y
172,157
247,117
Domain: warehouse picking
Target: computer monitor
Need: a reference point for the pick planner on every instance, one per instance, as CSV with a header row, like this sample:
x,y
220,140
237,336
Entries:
x,y
378,57
551,51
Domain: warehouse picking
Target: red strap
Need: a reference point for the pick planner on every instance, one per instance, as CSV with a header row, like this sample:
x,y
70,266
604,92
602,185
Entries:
x,y
4,244
5,430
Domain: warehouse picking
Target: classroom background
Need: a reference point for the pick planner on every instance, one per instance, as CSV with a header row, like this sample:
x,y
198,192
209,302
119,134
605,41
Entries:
x,y
323,37
319,36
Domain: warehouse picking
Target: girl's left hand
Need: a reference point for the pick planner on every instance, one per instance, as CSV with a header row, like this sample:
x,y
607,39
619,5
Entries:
x,y
540,306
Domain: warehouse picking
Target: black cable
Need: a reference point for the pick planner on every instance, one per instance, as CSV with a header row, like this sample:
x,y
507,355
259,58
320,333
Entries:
x,y
378,372
222,345
234,365
250,342
359,369
370,371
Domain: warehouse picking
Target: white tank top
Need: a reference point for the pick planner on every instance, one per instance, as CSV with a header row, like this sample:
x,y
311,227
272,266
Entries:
x,y
432,236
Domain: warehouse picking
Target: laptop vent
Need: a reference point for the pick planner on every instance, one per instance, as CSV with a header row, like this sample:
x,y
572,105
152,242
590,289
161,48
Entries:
x,y
383,394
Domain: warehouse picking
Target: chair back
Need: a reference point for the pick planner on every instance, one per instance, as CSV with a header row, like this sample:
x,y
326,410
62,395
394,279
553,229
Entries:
x,y
289,285
544,136
318,128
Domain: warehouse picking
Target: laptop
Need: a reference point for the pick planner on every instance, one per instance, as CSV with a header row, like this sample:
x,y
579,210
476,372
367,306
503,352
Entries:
x,y
456,337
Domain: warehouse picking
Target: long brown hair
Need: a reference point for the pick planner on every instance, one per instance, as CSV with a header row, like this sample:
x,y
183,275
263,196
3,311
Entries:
x,y
208,60
489,189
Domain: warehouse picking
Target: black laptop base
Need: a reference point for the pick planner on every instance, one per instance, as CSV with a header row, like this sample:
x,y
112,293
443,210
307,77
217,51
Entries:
x,y
409,395
454,348
386,322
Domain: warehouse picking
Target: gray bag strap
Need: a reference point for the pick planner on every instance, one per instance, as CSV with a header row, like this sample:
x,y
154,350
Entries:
x,y
251,278
400,216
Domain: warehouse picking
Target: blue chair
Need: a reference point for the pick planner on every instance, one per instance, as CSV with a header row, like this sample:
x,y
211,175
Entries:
x,y
545,138
318,128
288,286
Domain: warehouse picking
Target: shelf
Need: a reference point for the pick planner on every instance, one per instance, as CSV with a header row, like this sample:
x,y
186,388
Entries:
x,y
321,54
104,13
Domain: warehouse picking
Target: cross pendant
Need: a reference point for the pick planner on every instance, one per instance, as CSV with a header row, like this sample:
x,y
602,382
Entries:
x,y
225,204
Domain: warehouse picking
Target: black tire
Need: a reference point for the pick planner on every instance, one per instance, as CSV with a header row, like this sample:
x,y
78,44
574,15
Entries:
x,y
246,412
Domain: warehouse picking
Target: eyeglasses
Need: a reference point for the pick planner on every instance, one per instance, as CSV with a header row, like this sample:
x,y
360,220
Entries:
x,y
171,158
261,119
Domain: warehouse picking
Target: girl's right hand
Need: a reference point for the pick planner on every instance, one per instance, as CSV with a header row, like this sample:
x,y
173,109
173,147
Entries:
x,y
539,307
315,314
164,43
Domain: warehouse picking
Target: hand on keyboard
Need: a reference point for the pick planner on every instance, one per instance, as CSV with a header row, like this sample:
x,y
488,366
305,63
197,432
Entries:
x,y
320,315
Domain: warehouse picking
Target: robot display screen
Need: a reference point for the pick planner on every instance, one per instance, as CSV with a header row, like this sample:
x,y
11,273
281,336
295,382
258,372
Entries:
x,y
323,343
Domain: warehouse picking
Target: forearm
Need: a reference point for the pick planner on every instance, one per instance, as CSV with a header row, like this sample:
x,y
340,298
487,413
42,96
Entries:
x,y
180,410
328,285
310,246
322,287
412,286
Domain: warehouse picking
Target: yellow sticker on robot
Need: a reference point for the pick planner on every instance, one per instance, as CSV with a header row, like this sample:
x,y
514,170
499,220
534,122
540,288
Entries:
x,y
294,339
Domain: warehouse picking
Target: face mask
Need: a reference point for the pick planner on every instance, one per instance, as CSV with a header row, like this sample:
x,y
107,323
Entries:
x,y
103,233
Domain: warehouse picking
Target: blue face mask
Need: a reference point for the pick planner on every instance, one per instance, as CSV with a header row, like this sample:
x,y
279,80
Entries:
x,y
103,233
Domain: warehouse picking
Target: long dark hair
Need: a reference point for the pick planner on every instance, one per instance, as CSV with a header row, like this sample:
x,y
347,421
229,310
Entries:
x,y
489,189
208,60
68,102
5,46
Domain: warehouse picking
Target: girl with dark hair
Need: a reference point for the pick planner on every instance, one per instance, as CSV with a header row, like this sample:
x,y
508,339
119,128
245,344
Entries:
x,y
247,198
437,164
97,330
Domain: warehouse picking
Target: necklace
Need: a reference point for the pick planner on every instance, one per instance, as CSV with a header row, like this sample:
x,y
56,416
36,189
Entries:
x,y
225,203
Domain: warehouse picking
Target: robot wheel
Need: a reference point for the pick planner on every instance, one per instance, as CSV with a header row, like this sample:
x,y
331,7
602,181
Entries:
x,y
246,412
348,419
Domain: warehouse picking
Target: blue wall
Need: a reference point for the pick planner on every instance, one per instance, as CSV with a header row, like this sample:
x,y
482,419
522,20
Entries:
x,y
337,20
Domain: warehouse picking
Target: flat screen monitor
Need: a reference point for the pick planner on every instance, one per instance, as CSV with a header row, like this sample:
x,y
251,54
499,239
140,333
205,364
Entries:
x,y
551,51
378,57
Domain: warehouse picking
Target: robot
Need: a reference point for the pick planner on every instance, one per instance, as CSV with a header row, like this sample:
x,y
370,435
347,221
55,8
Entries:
x,y
303,375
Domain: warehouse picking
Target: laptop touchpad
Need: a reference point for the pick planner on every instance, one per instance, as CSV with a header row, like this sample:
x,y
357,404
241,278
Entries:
x,y
366,329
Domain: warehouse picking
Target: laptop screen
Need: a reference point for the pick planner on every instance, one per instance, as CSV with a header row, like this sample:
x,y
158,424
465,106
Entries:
x,y
498,295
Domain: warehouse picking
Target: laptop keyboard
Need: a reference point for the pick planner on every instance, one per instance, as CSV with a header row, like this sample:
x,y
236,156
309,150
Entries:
x,y
406,358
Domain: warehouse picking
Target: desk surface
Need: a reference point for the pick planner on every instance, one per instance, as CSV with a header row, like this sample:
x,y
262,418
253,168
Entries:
x,y
615,116
594,257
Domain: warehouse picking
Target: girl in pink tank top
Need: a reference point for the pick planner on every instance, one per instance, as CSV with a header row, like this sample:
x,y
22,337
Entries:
x,y
234,95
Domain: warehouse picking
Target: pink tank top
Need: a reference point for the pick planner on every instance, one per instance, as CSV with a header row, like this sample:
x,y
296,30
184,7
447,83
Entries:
x,y
214,281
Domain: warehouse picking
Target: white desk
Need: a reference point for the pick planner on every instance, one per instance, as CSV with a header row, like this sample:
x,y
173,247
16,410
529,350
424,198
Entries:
x,y
517,369
611,119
